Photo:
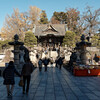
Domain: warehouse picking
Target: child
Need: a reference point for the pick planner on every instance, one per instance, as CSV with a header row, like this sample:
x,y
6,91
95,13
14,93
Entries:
x,y
8,75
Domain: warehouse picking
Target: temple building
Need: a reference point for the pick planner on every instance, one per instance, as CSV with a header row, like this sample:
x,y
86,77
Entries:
x,y
50,34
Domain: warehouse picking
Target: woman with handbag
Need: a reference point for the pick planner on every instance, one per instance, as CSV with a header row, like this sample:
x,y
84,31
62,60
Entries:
x,y
26,73
9,80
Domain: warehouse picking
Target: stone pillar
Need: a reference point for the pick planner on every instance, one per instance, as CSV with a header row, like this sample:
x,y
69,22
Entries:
x,y
21,58
83,55
16,52
78,57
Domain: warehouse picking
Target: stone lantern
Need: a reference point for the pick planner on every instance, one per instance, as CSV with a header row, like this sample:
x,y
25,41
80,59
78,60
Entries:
x,y
82,49
16,50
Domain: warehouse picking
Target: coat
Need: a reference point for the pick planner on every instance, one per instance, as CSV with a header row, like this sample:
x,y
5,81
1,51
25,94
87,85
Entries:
x,y
8,75
27,69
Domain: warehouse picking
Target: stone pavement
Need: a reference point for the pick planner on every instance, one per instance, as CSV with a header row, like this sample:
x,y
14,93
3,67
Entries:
x,y
56,84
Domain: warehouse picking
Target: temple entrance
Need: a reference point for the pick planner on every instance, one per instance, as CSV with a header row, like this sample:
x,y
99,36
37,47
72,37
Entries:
x,y
50,36
50,41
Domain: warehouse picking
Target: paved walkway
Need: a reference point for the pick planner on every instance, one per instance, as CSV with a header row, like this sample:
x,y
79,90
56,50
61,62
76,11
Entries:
x,y
56,84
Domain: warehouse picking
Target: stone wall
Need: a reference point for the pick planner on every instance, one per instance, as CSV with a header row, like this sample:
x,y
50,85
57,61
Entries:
x,y
93,49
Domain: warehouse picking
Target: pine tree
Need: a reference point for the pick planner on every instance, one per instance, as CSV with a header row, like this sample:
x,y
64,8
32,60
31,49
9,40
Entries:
x,y
69,39
43,18
30,39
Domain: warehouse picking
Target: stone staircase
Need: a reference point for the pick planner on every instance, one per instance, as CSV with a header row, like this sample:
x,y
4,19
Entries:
x,y
50,54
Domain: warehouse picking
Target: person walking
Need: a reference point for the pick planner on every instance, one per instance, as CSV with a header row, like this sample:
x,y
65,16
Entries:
x,y
46,62
51,62
40,64
9,80
60,62
56,61
26,73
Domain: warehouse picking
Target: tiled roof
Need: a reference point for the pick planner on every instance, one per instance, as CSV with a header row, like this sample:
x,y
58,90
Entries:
x,y
44,29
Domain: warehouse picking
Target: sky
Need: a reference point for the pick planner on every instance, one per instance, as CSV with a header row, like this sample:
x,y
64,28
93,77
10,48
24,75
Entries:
x,y
50,6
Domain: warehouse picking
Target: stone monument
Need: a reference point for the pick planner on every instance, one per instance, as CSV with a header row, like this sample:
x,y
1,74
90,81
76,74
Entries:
x,y
81,50
16,50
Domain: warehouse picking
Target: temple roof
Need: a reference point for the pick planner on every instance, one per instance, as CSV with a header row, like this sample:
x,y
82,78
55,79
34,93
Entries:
x,y
54,29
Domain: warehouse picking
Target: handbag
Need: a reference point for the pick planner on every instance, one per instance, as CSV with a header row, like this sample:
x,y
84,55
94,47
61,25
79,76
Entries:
x,y
21,84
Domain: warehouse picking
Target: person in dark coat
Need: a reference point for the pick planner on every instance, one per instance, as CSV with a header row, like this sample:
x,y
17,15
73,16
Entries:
x,y
60,62
8,75
56,61
46,62
26,73
40,64
51,62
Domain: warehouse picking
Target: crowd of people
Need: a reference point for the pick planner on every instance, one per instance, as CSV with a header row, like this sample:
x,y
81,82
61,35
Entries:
x,y
46,61
27,69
